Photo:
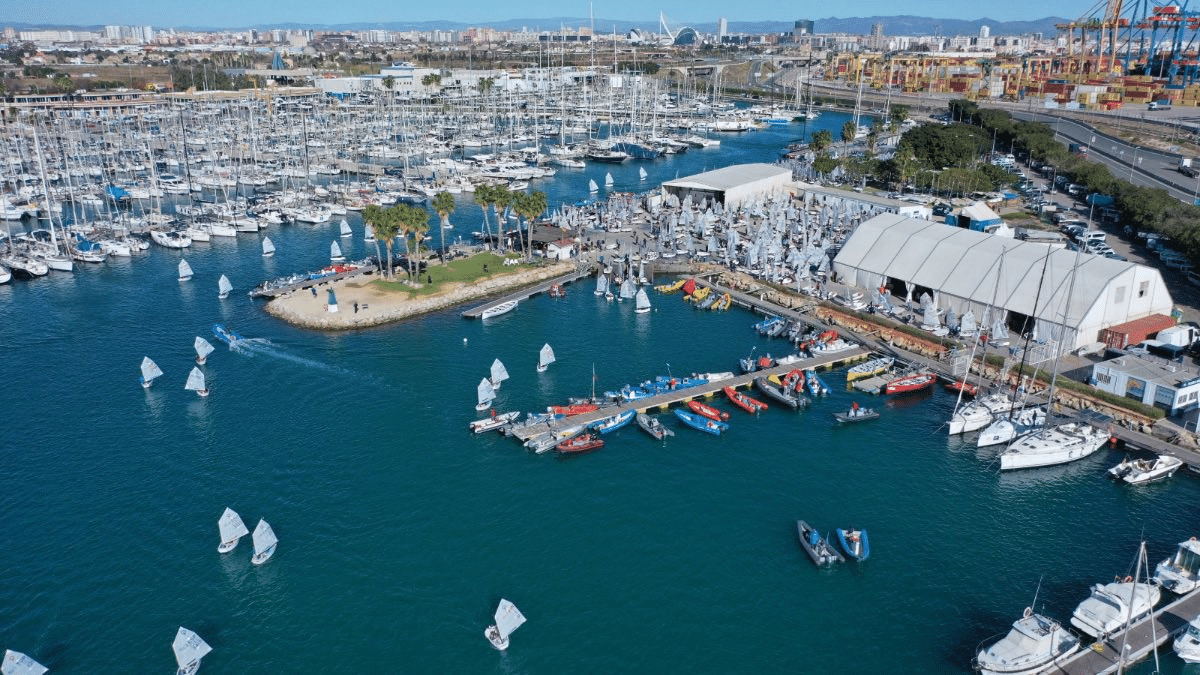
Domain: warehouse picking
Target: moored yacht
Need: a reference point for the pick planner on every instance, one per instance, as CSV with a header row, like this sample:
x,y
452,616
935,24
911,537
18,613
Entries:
x,y
1111,605
1187,645
1034,644
1053,445
1181,572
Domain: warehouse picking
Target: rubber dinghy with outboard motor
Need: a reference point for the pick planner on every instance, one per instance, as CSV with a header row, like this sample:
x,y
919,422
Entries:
x,y
651,425
854,543
816,546
225,335
701,423
495,421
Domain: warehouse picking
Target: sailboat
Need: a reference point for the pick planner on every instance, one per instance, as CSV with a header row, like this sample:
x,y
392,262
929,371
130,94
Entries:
x,y
344,228
508,619
195,382
485,393
16,663
150,371
232,529
368,232
641,173
268,247
223,287
628,289
601,284
608,180
642,302
189,649
592,187
499,374
264,543
203,349
545,358
335,252
185,270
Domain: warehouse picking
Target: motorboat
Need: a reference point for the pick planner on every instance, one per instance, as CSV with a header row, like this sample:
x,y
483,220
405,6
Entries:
x,y
1109,606
1053,445
701,423
747,403
793,401
610,424
856,414
497,310
1144,471
551,438
707,411
1034,644
225,335
585,442
1181,572
494,421
651,425
1187,645
816,546
910,383
854,543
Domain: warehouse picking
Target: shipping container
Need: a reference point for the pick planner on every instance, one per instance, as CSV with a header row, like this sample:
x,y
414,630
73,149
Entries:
x,y
1133,332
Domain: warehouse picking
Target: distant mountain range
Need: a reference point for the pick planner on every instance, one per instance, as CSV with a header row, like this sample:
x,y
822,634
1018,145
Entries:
x,y
892,25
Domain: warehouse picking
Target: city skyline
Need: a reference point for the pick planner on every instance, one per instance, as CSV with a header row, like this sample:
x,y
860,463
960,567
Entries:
x,y
226,14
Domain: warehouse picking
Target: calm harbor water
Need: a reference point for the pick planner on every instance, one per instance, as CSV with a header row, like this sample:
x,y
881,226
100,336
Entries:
x,y
399,531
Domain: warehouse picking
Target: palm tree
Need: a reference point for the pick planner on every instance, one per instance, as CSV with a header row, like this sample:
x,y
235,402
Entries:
x,y
848,132
502,198
387,228
443,203
372,215
484,197
418,226
530,206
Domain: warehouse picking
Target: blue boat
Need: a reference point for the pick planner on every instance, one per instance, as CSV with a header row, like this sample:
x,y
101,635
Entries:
x,y
854,543
700,422
613,423
816,386
225,335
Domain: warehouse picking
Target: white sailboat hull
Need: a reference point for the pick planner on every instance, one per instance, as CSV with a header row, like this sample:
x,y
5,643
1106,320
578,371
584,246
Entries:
x,y
227,546
264,556
1057,445
495,638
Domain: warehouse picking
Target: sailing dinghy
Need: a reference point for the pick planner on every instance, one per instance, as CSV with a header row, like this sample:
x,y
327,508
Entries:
x,y
592,187
344,228
16,663
508,619
203,349
232,530
150,371
641,173
189,649
368,232
608,180
545,358
185,270
264,543
223,287
641,302
195,382
499,374
486,394
335,252
268,247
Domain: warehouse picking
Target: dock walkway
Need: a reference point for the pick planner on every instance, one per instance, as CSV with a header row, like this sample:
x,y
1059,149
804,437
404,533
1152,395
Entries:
x,y
528,291
665,400
261,292
1143,637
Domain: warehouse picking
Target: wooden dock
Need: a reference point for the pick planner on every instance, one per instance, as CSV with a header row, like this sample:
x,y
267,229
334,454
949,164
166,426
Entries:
x,y
1137,439
666,400
260,292
1143,637
527,292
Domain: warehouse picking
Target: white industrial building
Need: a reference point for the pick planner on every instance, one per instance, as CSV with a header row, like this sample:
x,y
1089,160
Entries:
x,y
1060,295
1155,381
732,185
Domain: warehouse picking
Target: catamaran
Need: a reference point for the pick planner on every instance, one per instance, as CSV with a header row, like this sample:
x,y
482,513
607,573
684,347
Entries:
x,y
545,358
508,619
499,374
232,529
264,543
16,663
203,349
268,247
185,270
486,394
335,252
223,287
189,649
195,382
150,371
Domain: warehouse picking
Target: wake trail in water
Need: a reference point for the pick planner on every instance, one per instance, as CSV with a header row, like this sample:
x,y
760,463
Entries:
x,y
254,347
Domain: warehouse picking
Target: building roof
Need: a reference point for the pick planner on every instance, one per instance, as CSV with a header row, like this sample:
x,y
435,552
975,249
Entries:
x,y
729,177
1153,369
979,212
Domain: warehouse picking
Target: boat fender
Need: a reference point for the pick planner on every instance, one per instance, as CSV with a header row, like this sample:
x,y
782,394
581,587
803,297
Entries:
x,y
1191,539
1128,579
1028,612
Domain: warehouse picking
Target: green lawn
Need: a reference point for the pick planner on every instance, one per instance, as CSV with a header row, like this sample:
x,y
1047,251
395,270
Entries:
x,y
465,270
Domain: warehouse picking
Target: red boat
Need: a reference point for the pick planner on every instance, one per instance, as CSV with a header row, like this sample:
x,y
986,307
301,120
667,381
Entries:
x,y
910,383
750,405
557,291
581,443
708,411
573,409
793,381
958,385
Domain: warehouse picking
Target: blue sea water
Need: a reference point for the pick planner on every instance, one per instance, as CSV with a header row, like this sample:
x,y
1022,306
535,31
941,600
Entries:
x,y
400,531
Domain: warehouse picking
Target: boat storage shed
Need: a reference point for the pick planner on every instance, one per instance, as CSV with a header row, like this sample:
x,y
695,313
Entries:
x,y
1061,295
732,185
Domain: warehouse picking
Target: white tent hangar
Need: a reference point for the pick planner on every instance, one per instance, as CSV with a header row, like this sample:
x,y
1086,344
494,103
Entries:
x,y
732,185
962,270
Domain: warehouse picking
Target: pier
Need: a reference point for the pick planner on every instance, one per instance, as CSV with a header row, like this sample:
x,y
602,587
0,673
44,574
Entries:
x,y
263,292
527,292
665,400
1137,439
1142,638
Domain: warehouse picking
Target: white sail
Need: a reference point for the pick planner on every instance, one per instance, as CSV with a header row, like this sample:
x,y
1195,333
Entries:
x,y
601,284
608,180
231,525
16,663
344,228
641,173
189,649
508,618
335,251
546,356
223,286
499,373
185,270
268,247
150,370
264,538
999,330
967,324
643,301
368,232
628,289
203,348
592,187
195,381
486,394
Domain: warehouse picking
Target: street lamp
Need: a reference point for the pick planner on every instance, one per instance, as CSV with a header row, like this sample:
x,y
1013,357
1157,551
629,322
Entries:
x,y
1133,159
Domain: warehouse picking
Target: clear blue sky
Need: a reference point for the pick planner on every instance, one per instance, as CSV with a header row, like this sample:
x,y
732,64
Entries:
x,y
238,13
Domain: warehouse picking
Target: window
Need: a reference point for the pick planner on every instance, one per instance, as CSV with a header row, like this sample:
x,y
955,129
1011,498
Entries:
x,y
1164,397
1118,295
1104,378
1135,389
1142,288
